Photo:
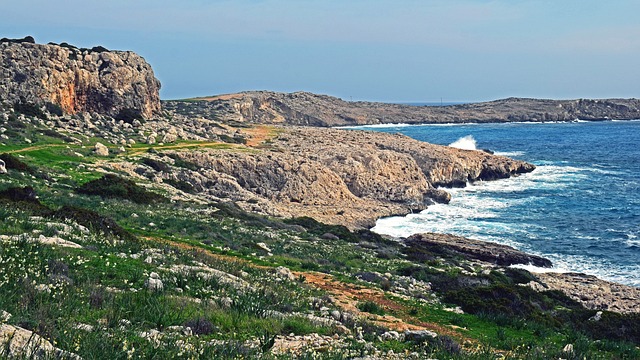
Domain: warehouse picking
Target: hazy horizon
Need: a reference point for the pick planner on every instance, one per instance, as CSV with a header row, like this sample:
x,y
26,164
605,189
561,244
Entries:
x,y
398,52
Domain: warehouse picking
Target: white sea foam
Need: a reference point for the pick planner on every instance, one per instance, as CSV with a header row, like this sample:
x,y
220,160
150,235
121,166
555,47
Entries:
x,y
509,153
465,143
374,126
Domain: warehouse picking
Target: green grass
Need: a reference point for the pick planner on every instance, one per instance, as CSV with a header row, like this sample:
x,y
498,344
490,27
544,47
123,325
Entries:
x,y
93,285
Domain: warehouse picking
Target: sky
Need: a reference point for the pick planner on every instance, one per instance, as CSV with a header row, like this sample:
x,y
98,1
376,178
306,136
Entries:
x,y
375,50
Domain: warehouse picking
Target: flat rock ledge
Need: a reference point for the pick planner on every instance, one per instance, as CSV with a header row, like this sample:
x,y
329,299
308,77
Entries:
x,y
591,292
449,245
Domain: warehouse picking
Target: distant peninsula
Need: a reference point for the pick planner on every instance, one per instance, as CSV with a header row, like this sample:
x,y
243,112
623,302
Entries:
x,y
307,109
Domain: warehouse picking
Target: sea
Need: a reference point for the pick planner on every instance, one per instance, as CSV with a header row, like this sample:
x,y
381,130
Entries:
x,y
580,207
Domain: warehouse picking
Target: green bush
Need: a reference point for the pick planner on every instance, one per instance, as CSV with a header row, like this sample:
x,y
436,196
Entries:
x,y
93,220
54,109
370,307
112,186
12,162
29,109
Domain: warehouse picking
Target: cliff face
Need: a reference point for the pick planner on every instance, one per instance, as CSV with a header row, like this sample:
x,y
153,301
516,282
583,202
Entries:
x,y
308,109
78,80
341,176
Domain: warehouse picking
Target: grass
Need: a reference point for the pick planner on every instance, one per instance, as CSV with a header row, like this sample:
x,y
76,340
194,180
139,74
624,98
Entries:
x,y
197,248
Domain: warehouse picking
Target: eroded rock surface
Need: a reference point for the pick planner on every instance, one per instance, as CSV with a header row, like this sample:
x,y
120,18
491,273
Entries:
x,y
78,80
431,244
592,292
340,176
303,108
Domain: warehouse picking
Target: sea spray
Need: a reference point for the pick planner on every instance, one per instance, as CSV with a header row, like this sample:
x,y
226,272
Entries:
x,y
579,208
465,143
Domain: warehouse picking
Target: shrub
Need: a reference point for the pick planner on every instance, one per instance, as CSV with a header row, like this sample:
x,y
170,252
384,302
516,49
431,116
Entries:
x,y
29,109
112,186
317,228
370,307
200,326
54,109
93,220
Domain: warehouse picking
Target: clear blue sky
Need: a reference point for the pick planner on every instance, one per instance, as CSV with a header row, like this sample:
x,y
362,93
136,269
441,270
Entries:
x,y
400,50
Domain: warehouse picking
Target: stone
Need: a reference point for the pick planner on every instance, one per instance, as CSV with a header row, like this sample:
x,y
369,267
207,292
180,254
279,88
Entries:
x,y
568,349
3,169
154,283
329,236
284,273
101,150
419,336
596,317
471,249
4,316
105,82
22,343
390,335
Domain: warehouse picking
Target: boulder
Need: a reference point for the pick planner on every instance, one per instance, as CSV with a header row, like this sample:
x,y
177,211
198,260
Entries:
x,y
419,336
153,283
101,150
284,273
21,343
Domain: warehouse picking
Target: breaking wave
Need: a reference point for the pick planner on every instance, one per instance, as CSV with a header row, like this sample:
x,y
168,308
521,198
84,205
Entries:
x,y
465,143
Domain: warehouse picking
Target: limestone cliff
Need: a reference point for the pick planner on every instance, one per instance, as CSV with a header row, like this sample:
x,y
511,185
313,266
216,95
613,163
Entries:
x,y
302,108
78,80
341,176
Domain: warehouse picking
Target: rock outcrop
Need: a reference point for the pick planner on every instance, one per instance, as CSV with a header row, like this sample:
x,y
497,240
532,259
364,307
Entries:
x,y
340,176
432,244
78,80
591,292
302,108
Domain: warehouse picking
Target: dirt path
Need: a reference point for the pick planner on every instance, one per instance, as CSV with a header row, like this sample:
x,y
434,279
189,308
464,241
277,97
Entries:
x,y
35,148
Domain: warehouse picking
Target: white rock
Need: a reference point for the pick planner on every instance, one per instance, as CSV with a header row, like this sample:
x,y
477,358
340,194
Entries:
x,y
154,283
4,316
284,273
3,169
101,150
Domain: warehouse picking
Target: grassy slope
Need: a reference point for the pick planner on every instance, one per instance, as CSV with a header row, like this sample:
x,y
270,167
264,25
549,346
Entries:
x,y
103,283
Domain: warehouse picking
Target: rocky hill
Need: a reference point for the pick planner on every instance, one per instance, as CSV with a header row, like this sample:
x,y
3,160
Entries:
x,y
77,80
302,108
193,234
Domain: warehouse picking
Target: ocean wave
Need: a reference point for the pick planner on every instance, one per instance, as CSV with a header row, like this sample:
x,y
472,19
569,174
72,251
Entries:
x,y
374,126
465,143
509,153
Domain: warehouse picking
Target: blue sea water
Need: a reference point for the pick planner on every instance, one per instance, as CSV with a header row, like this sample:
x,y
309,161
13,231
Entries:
x,y
580,208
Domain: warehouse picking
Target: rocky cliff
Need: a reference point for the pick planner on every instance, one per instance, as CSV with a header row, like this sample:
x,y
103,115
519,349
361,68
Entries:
x,y
308,109
77,80
340,176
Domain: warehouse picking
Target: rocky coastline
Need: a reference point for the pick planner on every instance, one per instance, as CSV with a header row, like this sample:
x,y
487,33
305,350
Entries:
x,y
307,109
210,203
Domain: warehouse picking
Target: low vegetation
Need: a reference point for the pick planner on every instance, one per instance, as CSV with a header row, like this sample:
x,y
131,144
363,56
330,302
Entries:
x,y
105,266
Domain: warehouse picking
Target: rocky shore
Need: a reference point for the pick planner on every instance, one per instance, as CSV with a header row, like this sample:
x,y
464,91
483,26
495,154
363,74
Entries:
x,y
343,177
336,176
307,109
